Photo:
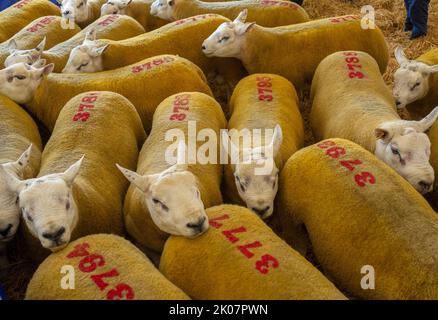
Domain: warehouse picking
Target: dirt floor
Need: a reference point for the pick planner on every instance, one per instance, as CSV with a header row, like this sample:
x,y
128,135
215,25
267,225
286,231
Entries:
x,y
390,15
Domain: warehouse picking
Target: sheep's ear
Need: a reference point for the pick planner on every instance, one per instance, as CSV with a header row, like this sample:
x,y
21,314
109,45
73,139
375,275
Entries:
x,y
181,163
90,35
241,28
125,3
95,52
432,69
400,56
41,45
46,69
23,160
242,16
233,151
12,45
277,139
141,182
70,174
39,63
408,130
429,120
13,184
384,134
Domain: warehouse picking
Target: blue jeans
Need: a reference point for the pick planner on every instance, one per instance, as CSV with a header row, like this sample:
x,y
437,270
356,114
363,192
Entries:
x,y
416,18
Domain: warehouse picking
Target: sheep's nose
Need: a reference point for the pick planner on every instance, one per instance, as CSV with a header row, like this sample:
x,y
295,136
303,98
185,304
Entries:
x,y
6,231
198,226
203,47
66,12
262,211
397,103
54,236
425,185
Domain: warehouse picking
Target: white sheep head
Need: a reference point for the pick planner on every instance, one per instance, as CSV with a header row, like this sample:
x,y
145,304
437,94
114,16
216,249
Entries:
x,y
257,190
20,81
47,205
163,9
173,198
405,147
28,56
227,40
114,7
411,80
9,209
87,57
77,10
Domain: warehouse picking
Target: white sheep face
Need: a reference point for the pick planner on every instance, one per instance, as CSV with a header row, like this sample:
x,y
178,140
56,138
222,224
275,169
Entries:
x,y
86,58
411,80
173,200
227,40
48,207
405,147
77,10
114,7
257,190
163,9
9,209
29,56
20,81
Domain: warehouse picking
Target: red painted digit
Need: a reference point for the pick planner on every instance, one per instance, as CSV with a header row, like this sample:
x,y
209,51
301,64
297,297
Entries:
x,y
263,84
363,178
265,98
265,262
89,99
91,262
335,152
98,278
353,66
79,250
214,222
357,74
263,90
179,117
121,291
350,53
349,164
81,116
230,234
263,79
82,106
245,248
326,144
352,59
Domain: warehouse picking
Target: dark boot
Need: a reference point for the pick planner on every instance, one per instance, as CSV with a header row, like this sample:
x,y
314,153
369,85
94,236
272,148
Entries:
x,y
418,13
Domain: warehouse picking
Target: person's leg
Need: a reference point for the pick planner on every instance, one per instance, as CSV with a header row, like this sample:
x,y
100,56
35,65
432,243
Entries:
x,y
408,22
419,13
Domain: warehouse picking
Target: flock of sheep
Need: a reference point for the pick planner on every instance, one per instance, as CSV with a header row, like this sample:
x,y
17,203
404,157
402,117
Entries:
x,y
111,78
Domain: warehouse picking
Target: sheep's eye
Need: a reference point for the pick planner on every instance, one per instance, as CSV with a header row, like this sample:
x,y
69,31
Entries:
x,y
156,201
395,151
20,77
274,183
82,66
67,205
170,3
242,186
80,5
225,38
27,215
17,200
415,85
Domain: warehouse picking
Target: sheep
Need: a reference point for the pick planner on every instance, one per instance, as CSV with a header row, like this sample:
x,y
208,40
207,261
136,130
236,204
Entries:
x,y
432,197
47,29
78,190
120,271
136,82
20,153
20,14
293,51
365,221
82,12
342,107
416,82
114,27
268,13
168,198
138,9
172,38
259,102
241,258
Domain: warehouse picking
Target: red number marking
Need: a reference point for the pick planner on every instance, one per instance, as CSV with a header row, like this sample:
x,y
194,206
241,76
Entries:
x,y
357,74
117,293
196,18
181,102
349,164
353,64
214,222
263,85
98,278
108,20
91,262
151,64
80,250
326,144
363,178
245,248
335,152
229,234
263,264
